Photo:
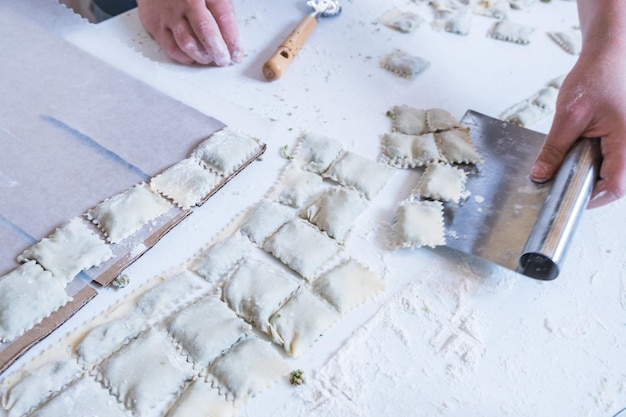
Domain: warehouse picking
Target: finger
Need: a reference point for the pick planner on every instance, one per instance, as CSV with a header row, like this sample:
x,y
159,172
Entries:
x,y
185,39
207,31
612,183
567,127
169,45
224,14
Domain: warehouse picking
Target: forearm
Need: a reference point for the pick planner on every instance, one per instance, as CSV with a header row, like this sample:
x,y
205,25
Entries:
x,y
603,25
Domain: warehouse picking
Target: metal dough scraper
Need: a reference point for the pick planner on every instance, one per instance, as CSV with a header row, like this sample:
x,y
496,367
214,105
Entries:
x,y
508,219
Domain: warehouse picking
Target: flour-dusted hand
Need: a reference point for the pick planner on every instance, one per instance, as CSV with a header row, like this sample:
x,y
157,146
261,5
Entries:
x,y
200,31
592,101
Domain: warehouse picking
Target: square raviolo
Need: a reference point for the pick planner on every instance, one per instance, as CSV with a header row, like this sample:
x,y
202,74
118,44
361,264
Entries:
x,y
348,285
264,219
404,65
38,385
359,173
170,293
402,21
507,30
456,146
336,211
301,321
186,183
442,182
85,397
408,120
146,372
248,368
296,186
410,151
256,290
123,214
213,263
202,400
302,247
205,329
70,250
28,294
419,223
104,339
440,119
317,152
225,150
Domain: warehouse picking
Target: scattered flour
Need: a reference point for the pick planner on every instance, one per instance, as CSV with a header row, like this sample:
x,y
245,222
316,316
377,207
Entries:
x,y
383,354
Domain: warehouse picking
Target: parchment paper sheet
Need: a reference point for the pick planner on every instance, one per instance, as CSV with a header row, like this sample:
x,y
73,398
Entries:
x,y
75,131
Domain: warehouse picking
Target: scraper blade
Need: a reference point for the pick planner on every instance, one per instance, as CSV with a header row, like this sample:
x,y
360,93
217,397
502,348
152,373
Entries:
x,y
510,220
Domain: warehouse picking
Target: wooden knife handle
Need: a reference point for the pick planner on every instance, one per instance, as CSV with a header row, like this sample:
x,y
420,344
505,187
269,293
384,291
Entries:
x,y
286,52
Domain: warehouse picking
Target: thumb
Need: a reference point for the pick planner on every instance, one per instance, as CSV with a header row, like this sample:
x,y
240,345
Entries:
x,y
565,130
547,163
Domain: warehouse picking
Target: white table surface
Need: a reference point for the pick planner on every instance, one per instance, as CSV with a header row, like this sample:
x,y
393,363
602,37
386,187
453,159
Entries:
x,y
451,336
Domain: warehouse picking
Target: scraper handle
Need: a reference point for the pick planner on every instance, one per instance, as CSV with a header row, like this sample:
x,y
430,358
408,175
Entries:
x,y
274,67
570,193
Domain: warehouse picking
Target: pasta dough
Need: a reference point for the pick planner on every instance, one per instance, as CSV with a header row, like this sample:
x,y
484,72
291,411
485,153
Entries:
x,y
145,372
442,182
336,211
182,339
217,260
459,23
402,21
505,30
205,329
532,109
357,172
571,41
493,8
186,183
105,339
300,322
256,290
317,152
348,285
225,150
83,398
419,223
200,399
265,219
403,64
302,247
296,186
28,294
410,151
248,368
169,294
70,250
439,120
408,120
37,386
456,146
123,214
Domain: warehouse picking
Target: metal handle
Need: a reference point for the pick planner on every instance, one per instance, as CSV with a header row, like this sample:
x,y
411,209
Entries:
x,y
278,63
568,198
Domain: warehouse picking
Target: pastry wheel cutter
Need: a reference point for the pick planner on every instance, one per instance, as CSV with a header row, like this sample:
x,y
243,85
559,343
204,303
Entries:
x,y
287,51
510,220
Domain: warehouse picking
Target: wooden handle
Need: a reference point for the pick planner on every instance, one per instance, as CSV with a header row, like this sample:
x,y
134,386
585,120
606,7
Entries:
x,y
286,52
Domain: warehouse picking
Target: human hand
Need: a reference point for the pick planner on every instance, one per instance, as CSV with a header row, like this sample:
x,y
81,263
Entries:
x,y
202,31
591,103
